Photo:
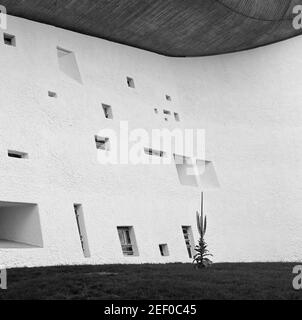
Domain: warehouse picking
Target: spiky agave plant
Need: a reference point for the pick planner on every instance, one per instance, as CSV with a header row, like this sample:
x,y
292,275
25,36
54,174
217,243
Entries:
x,y
201,258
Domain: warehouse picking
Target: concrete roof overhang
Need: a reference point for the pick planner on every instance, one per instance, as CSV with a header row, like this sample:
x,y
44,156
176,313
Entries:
x,y
169,27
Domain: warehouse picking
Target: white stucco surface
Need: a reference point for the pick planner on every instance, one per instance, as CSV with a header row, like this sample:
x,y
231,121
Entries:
x,y
249,103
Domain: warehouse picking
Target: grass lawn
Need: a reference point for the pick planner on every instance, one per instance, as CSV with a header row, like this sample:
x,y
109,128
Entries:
x,y
145,282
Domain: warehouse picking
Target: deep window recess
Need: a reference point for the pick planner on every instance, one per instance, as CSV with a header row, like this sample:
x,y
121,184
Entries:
x,y
20,226
164,250
107,111
127,240
130,82
156,110
152,152
78,209
9,40
68,64
52,94
102,143
168,98
188,235
17,154
176,116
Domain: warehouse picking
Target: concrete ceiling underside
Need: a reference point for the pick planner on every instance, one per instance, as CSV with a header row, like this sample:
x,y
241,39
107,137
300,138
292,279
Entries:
x,y
169,27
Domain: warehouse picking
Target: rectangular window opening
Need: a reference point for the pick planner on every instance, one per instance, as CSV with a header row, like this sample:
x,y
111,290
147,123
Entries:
x,y
9,40
17,154
20,226
52,94
128,241
130,83
78,209
177,117
152,152
189,240
102,143
156,111
168,98
107,111
164,250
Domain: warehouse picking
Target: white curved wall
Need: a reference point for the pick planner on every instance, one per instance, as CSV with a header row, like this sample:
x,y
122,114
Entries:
x,y
249,104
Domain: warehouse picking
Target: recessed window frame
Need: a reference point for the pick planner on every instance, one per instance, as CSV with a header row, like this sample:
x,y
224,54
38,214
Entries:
x,y
9,40
128,242
17,154
107,111
130,83
155,153
164,250
102,143
189,240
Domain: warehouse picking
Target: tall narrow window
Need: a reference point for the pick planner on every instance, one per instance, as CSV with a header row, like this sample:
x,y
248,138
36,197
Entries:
x,y
78,209
128,241
189,240
107,111
176,116
130,83
9,40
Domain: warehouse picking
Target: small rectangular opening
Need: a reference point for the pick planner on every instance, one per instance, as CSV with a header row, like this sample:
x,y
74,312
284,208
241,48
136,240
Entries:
x,y
130,82
17,154
167,113
78,209
107,111
128,241
164,250
189,240
152,152
156,111
102,143
52,94
168,98
176,116
9,40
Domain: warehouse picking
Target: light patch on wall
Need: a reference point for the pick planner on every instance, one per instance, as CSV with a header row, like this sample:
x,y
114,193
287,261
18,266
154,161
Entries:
x,y
199,173
68,64
20,226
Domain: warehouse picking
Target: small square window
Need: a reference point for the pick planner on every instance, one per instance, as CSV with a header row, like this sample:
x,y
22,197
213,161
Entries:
x,y
102,143
156,111
52,94
168,98
130,83
128,241
164,250
17,154
177,117
9,39
107,111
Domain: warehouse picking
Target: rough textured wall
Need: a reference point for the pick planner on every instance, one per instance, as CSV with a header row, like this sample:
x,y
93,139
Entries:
x,y
250,105
247,102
